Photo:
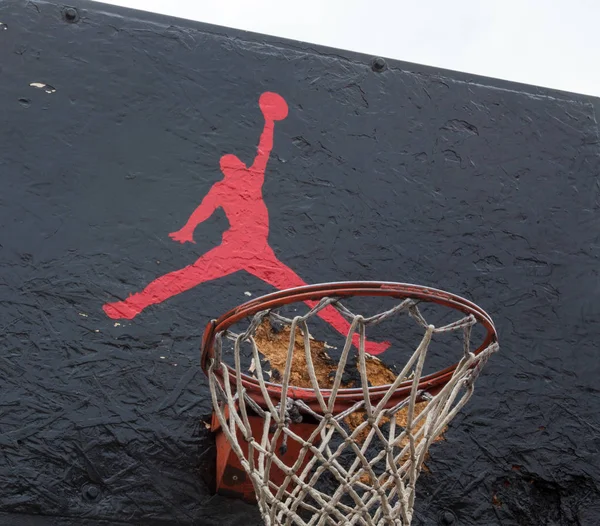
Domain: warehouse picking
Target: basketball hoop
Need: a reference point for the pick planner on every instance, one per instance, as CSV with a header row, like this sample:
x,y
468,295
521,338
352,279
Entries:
x,y
290,448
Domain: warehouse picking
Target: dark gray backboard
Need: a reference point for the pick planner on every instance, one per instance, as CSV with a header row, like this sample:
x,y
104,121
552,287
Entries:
x,y
484,188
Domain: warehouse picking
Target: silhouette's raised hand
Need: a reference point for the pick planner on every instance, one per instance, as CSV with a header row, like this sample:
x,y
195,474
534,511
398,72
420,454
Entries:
x,y
273,106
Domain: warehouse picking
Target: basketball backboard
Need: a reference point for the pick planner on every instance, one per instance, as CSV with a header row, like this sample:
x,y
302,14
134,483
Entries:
x,y
118,124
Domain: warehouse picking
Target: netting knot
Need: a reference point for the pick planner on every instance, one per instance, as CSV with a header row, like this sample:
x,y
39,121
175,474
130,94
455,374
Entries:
x,y
291,415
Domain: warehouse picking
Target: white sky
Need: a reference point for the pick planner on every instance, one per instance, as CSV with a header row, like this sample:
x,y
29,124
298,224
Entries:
x,y
550,43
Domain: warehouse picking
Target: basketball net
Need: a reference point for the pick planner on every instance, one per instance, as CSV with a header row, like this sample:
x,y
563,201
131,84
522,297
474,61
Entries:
x,y
365,475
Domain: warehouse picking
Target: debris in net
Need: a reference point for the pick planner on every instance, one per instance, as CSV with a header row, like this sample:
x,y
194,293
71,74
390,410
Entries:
x,y
272,339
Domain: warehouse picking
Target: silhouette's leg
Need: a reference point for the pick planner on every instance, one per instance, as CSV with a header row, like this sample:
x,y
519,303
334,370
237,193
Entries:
x,y
214,264
282,277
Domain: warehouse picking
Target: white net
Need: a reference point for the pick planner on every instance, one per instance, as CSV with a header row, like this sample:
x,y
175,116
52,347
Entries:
x,y
359,464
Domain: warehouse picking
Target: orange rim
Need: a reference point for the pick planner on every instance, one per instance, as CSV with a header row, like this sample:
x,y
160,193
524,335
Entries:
x,y
345,397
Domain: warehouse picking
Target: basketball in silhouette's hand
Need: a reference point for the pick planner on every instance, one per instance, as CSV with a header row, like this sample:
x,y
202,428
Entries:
x,y
273,106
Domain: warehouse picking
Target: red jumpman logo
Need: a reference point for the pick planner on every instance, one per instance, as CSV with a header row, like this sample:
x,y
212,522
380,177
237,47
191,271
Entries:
x,y
244,245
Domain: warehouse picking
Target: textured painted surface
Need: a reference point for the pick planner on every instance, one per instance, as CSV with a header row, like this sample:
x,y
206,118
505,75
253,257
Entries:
x,y
486,189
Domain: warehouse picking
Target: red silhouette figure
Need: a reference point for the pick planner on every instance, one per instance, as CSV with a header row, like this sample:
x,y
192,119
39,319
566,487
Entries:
x,y
244,245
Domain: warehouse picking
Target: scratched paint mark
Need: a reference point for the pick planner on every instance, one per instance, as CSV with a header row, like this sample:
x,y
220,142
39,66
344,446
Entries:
x,y
41,85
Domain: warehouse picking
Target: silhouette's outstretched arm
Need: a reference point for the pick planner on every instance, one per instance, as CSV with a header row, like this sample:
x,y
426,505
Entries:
x,y
265,146
274,108
204,210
